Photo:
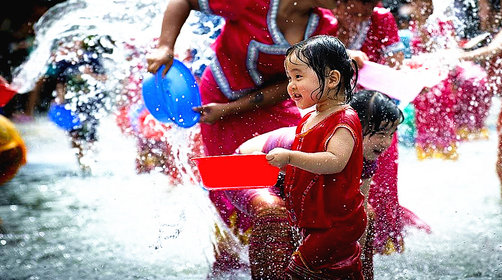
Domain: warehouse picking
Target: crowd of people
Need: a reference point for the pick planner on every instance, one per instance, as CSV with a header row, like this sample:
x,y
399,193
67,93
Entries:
x,y
282,80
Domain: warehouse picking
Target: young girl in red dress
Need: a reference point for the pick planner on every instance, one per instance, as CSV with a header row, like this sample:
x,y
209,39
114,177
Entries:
x,y
323,167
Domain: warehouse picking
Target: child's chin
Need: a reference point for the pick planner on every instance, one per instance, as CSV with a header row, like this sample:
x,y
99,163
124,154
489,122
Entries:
x,y
302,106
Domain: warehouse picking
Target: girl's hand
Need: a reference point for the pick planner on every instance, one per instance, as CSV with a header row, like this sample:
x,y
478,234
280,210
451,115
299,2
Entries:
x,y
162,55
211,112
278,157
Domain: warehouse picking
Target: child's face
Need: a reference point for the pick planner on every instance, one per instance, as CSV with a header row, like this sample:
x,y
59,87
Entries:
x,y
374,145
303,82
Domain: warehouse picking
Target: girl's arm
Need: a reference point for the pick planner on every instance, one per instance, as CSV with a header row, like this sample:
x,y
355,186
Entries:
x,y
175,15
280,138
264,97
333,160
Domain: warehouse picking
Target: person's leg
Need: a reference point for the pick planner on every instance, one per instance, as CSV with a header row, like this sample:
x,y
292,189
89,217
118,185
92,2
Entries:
x,y
323,256
270,244
271,239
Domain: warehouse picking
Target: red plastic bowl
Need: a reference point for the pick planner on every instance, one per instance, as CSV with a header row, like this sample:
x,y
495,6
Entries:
x,y
236,172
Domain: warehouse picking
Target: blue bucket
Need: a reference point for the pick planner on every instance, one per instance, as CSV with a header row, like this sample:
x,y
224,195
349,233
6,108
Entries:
x,y
63,117
171,98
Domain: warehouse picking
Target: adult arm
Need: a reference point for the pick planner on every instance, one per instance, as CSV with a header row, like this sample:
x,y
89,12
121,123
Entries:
x,y
333,160
264,97
483,53
175,15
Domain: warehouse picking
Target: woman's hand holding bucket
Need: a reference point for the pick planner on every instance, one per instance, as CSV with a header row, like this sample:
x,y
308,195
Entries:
x,y
174,96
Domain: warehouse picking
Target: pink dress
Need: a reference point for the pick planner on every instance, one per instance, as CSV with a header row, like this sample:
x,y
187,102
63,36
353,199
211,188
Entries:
x,y
249,53
455,108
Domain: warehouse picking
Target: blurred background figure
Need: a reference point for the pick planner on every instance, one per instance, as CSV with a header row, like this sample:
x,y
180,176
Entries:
x,y
456,109
76,76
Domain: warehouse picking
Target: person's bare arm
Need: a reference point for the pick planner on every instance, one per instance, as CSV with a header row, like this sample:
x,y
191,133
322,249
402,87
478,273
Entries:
x,y
264,97
483,53
175,15
332,161
257,143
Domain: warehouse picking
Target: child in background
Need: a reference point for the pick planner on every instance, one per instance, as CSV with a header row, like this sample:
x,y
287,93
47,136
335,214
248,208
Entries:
x,y
380,117
325,163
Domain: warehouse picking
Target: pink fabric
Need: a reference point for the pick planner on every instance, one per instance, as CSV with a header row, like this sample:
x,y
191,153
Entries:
x,y
473,97
460,101
388,224
280,138
434,117
411,219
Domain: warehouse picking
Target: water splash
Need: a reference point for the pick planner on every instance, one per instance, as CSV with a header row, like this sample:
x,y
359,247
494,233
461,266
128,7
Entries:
x,y
119,19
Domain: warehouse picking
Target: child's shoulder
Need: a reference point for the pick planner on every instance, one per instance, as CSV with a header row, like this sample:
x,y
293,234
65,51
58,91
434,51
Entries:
x,y
347,113
350,117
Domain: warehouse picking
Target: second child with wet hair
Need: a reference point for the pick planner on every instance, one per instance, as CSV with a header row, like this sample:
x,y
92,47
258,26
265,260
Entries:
x,y
323,167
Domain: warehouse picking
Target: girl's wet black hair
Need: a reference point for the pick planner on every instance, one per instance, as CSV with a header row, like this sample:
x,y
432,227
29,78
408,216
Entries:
x,y
377,111
322,54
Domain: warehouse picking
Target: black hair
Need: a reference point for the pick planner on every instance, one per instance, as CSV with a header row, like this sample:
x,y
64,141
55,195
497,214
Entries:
x,y
377,111
324,53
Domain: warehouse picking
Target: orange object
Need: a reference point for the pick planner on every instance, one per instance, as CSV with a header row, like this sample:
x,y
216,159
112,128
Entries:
x,y
12,150
6,93
235,172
